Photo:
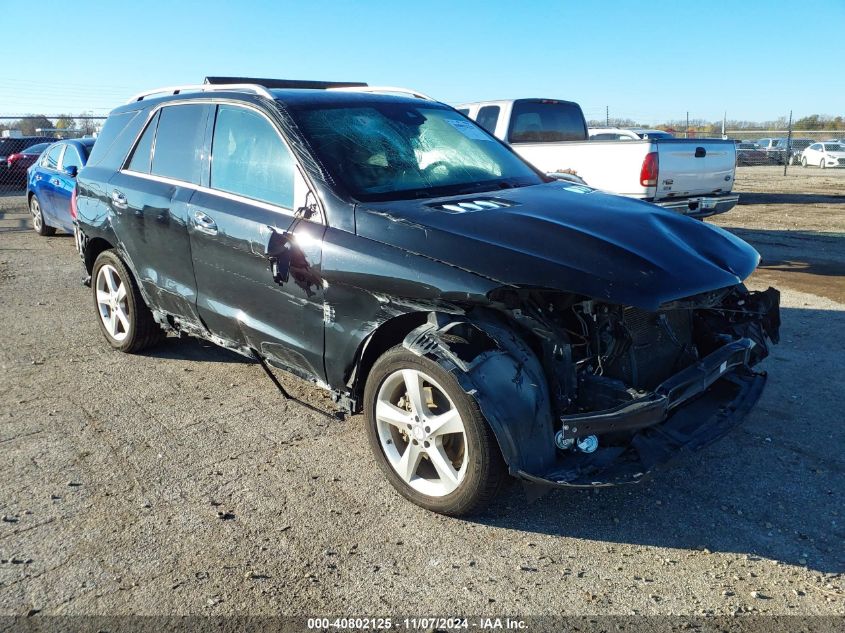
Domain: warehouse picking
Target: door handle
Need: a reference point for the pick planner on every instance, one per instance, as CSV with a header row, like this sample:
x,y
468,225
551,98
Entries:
x,y
204,224
118,199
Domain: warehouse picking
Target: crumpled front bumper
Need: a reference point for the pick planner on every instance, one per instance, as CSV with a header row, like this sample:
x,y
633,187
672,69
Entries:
x,y
695,418
654,407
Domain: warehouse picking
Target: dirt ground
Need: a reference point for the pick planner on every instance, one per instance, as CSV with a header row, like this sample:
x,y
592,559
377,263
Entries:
x,y
179,481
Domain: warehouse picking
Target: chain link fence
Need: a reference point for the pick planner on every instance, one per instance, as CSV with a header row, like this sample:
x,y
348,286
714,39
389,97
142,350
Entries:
x,y
814,141
24,138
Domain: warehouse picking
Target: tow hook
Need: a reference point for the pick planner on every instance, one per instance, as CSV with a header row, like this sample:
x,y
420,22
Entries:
x,y
587,444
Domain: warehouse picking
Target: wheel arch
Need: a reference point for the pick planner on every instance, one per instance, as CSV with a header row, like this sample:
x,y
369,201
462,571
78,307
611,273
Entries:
x,y
493,364
93,247
388,334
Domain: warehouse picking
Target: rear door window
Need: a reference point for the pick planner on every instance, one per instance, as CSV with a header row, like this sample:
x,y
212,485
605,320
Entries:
x,y
249,158
51,158
487,118
180,135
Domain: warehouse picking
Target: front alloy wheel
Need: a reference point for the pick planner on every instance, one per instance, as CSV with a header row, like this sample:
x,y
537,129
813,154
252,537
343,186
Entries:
x,y
421,433
429,436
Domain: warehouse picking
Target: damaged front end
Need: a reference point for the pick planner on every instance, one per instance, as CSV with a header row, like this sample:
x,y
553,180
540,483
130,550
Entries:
x,y
591,393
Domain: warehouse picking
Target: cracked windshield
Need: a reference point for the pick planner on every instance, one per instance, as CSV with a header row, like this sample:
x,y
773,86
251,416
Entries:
x,y
390,151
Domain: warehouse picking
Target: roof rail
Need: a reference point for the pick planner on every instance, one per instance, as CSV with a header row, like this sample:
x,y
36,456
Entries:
x,y
386,90
175,90
309,84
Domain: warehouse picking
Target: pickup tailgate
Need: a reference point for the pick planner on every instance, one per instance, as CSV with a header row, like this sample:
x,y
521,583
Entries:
x,y
688,167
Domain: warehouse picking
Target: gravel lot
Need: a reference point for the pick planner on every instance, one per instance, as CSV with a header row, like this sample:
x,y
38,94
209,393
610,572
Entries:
x,y
180,482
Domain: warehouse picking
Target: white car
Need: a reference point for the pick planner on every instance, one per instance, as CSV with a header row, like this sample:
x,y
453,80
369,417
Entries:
x,y
824,155
621,134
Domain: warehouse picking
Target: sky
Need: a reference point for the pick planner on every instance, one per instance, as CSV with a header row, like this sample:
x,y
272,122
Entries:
x,y
648,61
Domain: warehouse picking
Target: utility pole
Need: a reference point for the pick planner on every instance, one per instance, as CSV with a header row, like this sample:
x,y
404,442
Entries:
x,y
724,125
788,144
686,131
607,116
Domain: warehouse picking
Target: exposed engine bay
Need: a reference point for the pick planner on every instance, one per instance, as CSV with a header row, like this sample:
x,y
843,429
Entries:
x,y
626,387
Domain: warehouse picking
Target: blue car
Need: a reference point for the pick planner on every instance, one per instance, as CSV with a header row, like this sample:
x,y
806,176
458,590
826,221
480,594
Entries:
x,y
50,184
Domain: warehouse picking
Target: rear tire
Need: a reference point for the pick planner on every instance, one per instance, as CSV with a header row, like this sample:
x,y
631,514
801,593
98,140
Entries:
x,y
124,318
455,467
38,223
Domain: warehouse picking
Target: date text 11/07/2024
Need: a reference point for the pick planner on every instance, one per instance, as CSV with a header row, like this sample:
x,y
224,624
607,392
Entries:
x,y
416,623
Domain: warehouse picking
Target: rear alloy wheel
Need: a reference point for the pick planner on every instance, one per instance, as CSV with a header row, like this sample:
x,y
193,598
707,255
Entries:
x,y
38,222
429,437
124,318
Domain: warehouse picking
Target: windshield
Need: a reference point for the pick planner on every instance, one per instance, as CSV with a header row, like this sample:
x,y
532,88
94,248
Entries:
x,y
36,149
10,146
390,151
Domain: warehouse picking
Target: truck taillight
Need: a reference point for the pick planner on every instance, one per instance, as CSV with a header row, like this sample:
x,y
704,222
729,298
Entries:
x,y
648,173
73,209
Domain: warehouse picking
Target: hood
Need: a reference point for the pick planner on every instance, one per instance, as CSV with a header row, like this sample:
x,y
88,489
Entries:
x,y
569,238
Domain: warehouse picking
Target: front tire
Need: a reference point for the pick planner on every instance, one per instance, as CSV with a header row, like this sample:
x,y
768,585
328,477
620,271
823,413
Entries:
x,y
822,164
124,318
429,437
38,222
804,162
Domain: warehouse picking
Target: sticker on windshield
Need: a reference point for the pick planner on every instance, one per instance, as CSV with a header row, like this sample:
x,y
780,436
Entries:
x,y
468,129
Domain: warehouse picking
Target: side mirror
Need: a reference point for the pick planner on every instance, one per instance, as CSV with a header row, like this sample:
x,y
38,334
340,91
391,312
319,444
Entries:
x,y
72,171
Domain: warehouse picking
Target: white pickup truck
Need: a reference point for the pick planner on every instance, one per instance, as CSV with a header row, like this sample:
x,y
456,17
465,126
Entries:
x,y
691,176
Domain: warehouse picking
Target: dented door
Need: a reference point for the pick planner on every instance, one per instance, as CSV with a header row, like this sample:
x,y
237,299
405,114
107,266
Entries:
x,y
238,296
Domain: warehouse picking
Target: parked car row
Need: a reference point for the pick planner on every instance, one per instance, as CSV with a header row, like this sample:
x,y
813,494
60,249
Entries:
x,y
17,154
487,319
771,151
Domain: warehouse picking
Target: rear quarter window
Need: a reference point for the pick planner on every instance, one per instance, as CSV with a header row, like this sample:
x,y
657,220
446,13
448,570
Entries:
x,y
115,138
143,153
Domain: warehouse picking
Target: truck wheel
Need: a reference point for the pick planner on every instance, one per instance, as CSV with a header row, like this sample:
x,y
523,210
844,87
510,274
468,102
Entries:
x,y
429,437
124,318
38,222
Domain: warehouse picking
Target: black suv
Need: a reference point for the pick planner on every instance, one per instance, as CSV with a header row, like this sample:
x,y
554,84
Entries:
x,y
485,318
